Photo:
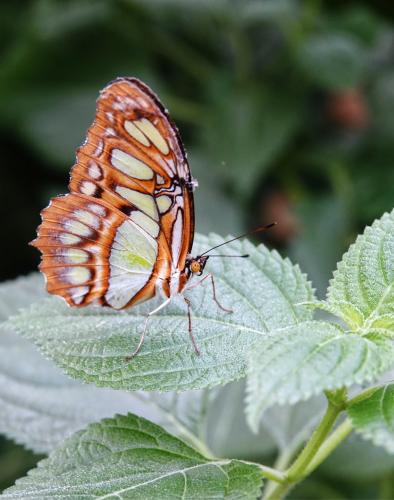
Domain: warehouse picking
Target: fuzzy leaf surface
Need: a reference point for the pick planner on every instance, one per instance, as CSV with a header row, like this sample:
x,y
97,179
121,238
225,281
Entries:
x,y
91,344
40,406
373,417
304,360
362,290
20,293
130,457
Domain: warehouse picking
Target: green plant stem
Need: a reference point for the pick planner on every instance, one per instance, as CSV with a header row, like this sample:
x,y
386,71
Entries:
x,y
329,445
273,474
281,463
298,470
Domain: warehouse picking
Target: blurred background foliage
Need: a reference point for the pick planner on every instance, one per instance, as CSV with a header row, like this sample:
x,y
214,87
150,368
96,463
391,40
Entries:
x,y
286,109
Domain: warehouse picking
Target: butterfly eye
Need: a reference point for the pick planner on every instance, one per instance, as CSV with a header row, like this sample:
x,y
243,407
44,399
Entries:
x,y
195,267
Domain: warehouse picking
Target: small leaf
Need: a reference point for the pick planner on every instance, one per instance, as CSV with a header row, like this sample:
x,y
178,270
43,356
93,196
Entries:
x,y
304,360
92,344
333,60
130,457
362,290
373,417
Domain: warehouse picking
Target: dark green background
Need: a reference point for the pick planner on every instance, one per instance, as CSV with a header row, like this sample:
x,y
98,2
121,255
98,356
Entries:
x,y
286,109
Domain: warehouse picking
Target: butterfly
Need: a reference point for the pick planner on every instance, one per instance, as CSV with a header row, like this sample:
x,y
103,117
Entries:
x,y
124,232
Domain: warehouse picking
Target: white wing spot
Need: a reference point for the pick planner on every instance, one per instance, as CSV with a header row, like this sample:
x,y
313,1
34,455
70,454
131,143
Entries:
x,y
99,148
94,170
88,188
98,209
69,239
177,238
78,275
77,227
79,293
75,256
87,218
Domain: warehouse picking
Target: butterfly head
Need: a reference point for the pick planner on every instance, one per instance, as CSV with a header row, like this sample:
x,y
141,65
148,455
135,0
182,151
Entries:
x,y
196,265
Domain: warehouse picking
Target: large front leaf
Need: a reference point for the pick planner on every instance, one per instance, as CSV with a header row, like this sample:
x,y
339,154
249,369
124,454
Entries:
x,y
19,293
373,417
92,344
129,457
362,290
40,406
304,360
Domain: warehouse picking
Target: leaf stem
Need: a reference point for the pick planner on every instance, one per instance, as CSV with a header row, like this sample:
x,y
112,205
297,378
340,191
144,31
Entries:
x,y
329,445
273,474
299,469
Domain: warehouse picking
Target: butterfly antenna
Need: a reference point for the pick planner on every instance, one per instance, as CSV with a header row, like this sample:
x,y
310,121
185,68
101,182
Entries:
x,y
224,255
254,231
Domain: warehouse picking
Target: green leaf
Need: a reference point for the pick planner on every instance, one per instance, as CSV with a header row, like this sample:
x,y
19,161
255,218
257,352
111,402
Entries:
x,y
40,406
362,290
92,344
20,293
130,457
373,417
333,60
298,362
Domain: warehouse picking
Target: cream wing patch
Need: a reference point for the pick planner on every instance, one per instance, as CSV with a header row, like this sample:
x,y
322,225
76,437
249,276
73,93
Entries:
x,y
132,258
142,201
130,165
136,133
163,202
153,135
147,224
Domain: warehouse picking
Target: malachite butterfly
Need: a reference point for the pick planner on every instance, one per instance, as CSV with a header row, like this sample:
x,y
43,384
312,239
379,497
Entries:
x,y
125,230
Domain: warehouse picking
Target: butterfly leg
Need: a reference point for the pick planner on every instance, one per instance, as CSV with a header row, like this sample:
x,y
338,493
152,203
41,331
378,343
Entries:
x,y
209,275
198,352
142,338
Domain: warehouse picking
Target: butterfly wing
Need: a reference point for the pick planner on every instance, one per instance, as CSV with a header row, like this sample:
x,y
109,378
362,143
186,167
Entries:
x,y
128,221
